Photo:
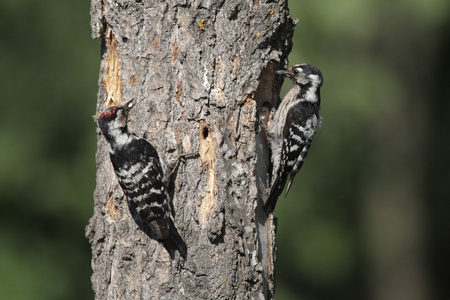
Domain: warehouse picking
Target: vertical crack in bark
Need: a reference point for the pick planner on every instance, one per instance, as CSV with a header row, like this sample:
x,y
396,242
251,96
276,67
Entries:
x,y
219,79
265,96
175,49
208,160
272,250
111,81
179,91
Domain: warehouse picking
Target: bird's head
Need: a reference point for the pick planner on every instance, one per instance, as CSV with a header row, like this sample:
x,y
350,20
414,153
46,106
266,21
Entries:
x,y
303,75
114,118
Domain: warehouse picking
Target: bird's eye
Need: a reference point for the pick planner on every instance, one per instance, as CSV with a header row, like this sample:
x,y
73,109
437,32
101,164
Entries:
x,y
296,72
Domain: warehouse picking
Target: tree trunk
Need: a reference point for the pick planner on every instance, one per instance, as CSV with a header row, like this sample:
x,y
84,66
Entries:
x,y
199,71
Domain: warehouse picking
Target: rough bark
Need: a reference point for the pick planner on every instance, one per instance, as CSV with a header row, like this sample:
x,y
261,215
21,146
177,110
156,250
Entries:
x,y
199,71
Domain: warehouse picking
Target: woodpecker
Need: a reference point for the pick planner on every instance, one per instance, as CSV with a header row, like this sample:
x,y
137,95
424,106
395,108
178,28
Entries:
x,y
293,127
144,177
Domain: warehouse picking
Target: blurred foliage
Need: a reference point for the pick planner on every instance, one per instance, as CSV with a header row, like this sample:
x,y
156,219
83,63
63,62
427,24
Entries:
x,y
367,216
49,71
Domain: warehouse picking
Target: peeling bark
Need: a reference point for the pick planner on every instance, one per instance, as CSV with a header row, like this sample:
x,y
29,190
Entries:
x,y
200,72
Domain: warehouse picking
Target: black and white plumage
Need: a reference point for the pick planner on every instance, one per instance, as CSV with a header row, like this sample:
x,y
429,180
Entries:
x,y
143,176
293,127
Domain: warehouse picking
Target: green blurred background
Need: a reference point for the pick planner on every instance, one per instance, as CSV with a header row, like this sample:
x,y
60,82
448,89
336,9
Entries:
x,y
367,216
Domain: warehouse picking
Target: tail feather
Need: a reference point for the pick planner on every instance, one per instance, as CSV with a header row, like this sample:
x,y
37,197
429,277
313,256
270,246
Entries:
x,y
275,191
291,179
174,242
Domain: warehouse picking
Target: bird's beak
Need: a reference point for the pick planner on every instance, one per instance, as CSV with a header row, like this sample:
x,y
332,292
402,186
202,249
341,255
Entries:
x,y
285,73
282,72
129,105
